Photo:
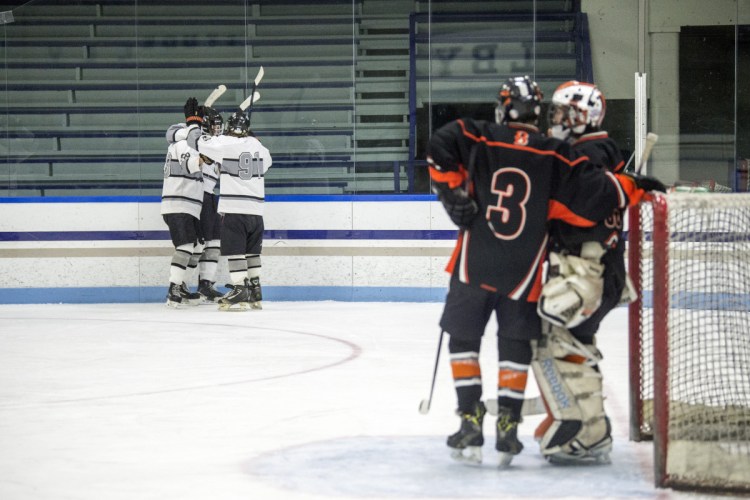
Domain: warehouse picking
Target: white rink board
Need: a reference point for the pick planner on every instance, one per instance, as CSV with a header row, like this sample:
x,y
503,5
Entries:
x,y
386,249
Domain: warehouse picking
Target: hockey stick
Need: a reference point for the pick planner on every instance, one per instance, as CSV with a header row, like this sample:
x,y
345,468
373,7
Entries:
x,y
253,93
424,405
651,139
213,96
255,97
531,406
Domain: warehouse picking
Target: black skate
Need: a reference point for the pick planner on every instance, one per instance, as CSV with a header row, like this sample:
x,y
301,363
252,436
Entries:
x,y
194,298
209,294
255,292
466,444
507,436
237,299
179,296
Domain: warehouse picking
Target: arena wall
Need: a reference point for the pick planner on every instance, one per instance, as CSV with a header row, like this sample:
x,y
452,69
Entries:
x,y
115,249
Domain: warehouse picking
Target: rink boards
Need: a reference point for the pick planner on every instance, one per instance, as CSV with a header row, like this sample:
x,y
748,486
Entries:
x,y
117,249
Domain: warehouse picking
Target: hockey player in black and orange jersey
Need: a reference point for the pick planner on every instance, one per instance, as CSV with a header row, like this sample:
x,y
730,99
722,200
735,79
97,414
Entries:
x,y
500,183
576,114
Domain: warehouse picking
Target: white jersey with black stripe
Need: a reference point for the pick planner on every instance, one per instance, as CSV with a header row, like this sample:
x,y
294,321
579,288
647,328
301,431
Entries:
x,y
244,162
182,191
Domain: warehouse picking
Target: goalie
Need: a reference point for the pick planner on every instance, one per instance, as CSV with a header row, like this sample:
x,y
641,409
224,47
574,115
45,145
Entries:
x,y
586,279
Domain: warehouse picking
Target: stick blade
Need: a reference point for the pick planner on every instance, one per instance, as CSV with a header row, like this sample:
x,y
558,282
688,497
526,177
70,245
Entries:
x,y
259,76
424,407
217,92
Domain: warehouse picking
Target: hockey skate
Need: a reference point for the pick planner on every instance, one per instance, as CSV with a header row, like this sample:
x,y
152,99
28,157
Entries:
x,y
577,454
466,444
507,437
178,296
209,294
237,299
255,292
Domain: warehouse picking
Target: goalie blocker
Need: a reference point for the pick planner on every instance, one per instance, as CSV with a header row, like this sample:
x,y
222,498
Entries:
x,y
576,429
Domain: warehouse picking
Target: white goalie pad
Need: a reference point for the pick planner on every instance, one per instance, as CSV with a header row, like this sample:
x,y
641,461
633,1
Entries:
x,y
573,392
574,291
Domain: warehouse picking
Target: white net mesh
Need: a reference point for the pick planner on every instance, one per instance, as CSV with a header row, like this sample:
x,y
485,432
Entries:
x,y
708,322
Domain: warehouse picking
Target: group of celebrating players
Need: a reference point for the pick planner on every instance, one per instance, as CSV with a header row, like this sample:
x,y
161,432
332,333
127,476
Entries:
x,y
540,218
203,226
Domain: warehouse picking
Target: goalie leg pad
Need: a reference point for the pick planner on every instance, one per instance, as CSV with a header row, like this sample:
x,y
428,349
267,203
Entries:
x,y
571,385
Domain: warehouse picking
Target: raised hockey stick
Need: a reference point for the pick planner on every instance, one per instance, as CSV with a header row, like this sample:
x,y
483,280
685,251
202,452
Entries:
x,y
255,97
424,405
213,96
651,139
256,82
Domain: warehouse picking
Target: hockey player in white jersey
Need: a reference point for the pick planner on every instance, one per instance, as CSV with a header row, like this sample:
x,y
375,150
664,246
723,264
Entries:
x,y
244,162
181,202
213,124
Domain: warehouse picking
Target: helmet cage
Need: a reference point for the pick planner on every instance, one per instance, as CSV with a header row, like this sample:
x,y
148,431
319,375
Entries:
x,y
238,125
577,107
213,123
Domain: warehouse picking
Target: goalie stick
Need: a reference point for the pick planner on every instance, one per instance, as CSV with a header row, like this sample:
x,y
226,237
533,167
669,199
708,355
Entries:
x,y
214,96
651,139
531,406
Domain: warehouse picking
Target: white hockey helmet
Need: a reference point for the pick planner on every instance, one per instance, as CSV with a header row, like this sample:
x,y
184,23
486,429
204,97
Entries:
x,y
576,108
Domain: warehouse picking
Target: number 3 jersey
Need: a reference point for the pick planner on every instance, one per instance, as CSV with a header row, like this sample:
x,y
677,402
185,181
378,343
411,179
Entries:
x,y
520,180
244,162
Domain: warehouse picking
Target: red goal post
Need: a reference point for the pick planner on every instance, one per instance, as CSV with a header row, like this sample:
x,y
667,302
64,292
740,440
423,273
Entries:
x,y
689,259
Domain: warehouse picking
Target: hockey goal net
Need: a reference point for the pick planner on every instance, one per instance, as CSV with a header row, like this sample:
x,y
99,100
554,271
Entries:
x,y
689,258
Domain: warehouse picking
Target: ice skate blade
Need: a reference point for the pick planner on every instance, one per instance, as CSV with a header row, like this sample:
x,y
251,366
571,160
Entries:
x,y
241,306
176,305
471,455
504,459
256,305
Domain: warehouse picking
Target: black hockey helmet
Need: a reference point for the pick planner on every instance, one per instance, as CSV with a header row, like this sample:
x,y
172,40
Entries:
x,y
213,123
519,100
238,124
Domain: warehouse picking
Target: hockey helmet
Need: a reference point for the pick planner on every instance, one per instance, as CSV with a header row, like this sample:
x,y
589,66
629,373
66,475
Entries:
x,y
576,108
519,100
238,124
213,124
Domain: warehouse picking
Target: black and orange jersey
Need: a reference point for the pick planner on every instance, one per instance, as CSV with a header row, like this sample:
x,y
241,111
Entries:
x,y
603,152
520,180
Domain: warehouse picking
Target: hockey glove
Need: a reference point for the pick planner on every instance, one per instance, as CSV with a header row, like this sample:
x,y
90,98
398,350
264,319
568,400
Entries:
x,y
460,207
192,111
648,183
638,186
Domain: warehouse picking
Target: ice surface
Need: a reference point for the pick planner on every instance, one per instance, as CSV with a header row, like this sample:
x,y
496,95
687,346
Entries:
x,y
302,400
